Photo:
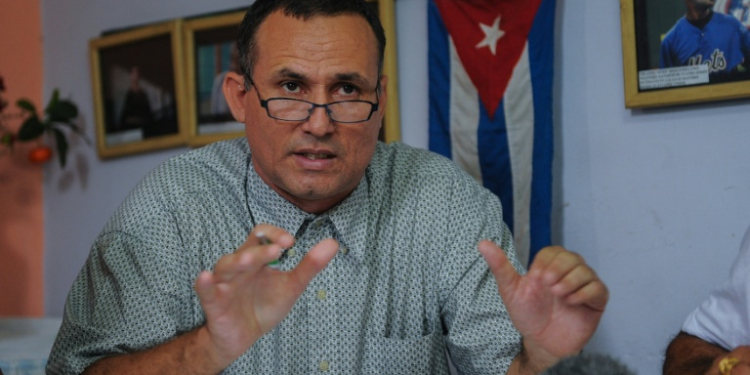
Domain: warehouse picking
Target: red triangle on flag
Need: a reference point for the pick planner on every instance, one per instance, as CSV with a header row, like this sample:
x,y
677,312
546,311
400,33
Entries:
x,y
489,36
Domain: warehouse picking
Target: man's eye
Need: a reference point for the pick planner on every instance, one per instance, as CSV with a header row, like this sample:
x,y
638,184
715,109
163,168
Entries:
x,y
347,89
291,87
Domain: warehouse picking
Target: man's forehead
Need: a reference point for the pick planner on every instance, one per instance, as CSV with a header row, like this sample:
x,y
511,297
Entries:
x,y
296,48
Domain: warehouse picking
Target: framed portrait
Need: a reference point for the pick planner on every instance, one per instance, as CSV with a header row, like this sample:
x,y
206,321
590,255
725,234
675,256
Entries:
x,y
677,52
138,89
210,52
391,130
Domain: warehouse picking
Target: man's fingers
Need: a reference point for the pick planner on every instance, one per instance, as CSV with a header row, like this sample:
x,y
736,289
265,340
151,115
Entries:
x,y
504,272
552,263
570,277
264,234
568,283
261,247
245,261
206,288
314,261
593,294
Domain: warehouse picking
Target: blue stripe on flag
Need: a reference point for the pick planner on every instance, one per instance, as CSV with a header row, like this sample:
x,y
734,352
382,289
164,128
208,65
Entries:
x,y
494,158
541,61
440,89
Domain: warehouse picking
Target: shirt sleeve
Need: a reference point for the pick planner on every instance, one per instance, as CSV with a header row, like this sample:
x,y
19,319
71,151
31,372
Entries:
x,y
724,318
480,337
132,294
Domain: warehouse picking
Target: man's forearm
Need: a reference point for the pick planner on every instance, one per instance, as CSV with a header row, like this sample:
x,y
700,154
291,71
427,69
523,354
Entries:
x,y
189,353
690,355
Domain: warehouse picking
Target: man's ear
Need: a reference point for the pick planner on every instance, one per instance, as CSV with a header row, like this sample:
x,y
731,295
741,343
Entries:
x,y
383,92
234,92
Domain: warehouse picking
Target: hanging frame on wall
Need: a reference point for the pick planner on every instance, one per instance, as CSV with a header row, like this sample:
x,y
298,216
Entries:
x,y
138,89
391,131
655,74
210,52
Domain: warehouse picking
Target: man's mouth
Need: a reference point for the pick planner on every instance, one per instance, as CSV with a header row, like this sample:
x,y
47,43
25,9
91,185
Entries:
x,y
312,156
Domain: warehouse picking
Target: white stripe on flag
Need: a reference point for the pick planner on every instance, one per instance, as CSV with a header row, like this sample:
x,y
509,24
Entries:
x,y
464,117
519,119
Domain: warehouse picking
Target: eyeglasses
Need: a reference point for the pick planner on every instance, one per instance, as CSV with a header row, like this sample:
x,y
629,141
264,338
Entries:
x,y
345,111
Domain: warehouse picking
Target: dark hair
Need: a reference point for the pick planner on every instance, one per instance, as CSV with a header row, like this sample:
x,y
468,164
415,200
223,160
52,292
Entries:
x,y
304,9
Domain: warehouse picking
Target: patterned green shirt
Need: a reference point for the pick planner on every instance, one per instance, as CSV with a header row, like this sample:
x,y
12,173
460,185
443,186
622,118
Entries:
x,y
407,284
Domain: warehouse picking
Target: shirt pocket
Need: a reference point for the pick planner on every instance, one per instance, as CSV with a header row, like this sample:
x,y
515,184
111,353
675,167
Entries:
x,y
423,355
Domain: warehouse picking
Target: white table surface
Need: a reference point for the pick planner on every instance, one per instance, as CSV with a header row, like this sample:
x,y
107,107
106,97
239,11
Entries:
x,y
25,344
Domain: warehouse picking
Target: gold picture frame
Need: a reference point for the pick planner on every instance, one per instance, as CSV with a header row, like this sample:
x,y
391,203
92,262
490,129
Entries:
x,y
209,52
138,89
640,40
391,120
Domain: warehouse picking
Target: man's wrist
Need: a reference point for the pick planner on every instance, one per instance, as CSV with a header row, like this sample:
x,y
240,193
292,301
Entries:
x,y
533,360
205,347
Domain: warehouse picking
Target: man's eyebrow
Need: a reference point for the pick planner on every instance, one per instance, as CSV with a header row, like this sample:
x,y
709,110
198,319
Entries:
x,y
288,73
353,77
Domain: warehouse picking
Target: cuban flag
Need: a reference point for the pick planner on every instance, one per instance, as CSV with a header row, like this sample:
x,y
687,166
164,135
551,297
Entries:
x,y
490,68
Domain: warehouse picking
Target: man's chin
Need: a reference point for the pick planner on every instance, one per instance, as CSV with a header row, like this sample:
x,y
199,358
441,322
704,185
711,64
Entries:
x,y
313,199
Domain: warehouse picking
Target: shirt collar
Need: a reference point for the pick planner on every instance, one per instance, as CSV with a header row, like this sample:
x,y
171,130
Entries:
x,y
350,220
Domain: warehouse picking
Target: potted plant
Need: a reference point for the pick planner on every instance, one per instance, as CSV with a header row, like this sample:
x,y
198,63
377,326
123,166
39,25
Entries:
x,y
59,114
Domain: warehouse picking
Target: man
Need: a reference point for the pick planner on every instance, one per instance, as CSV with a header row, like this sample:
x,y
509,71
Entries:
x,y
705,37
715,338
375,247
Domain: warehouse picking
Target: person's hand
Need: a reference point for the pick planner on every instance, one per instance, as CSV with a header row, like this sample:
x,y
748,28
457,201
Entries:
x,y
244,298
556,306
740,367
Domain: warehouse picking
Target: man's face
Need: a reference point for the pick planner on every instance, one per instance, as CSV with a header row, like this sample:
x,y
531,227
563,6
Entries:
x,y
314,163
702,4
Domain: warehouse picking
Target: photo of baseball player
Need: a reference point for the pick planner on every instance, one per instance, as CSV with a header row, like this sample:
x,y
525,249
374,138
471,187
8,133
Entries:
x,y
703,36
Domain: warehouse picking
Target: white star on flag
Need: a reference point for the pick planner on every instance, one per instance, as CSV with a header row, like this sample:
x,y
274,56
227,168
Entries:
x,y
491,35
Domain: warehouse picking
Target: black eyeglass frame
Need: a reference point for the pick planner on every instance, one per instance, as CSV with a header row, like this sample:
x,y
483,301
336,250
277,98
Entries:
x,y
264,103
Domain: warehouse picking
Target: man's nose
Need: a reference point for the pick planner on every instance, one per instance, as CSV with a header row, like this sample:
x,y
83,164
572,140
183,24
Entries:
x,y
319,123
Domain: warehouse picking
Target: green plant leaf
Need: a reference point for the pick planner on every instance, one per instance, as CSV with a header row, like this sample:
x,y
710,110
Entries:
x,y
32,128
62,111
53,101
27,105
62,146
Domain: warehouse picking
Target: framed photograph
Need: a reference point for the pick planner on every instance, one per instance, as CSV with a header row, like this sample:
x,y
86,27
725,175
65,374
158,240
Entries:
x,y
210,52
138,89
677,52
391,130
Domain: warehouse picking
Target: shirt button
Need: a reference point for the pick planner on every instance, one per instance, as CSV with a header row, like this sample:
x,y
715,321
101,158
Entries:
x,y
344,250
291,252
324,366
321,294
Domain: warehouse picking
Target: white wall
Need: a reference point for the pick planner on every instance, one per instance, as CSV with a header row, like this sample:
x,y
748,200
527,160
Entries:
x,y
655,200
